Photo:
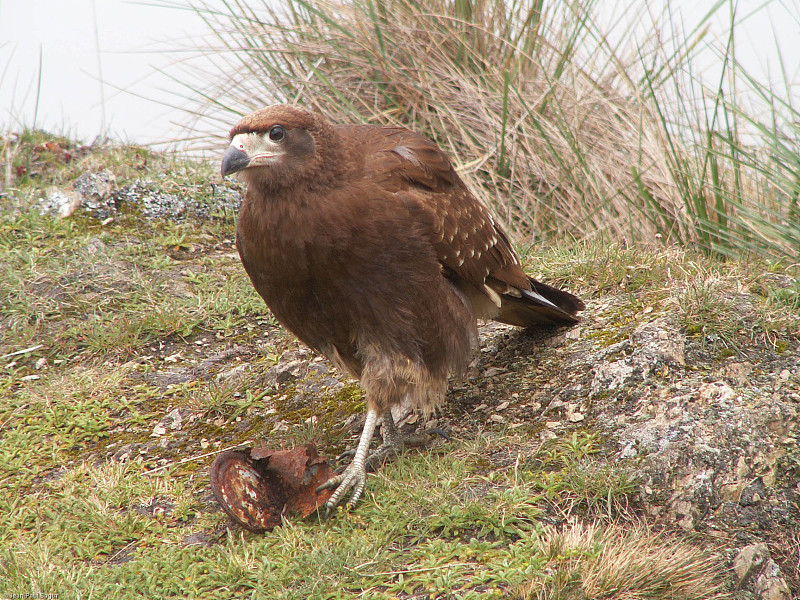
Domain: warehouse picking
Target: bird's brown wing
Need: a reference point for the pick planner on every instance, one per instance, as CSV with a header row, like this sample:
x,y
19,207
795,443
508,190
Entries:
x,y
468,242
471,247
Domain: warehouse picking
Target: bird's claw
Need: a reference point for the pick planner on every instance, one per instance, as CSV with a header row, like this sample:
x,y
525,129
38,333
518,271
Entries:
x,y
440,432
350,453
353,478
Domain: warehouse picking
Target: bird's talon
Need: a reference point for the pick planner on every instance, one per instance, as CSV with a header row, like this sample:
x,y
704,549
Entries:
x,y
440,432
331,483
346,454
353,480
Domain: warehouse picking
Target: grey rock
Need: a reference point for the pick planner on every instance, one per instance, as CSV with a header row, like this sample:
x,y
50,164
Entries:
x,y
758,573
653,345
95,190
286,372
200,538
59,203
749,562
659,342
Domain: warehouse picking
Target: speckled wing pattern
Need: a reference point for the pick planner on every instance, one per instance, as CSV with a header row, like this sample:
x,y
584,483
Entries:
x,y
466,238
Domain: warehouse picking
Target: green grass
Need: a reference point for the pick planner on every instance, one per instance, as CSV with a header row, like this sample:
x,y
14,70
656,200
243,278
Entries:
x,y
82,286
655,213
104,322
95,506
89,531
728,305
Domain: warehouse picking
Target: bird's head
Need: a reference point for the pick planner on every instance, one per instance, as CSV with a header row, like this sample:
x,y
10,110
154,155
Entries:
x,y
278,146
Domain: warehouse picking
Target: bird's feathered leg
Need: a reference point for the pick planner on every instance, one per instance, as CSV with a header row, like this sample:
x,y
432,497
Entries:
x,y
355,476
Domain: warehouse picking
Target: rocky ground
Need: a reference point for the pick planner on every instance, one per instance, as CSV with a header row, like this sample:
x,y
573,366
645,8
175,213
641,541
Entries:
x,y
713,444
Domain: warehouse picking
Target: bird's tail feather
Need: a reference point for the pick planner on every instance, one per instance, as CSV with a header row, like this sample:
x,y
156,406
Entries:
x,y
542,305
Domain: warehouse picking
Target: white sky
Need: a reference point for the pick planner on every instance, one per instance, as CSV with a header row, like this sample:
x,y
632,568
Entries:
x,y
84,93
119,90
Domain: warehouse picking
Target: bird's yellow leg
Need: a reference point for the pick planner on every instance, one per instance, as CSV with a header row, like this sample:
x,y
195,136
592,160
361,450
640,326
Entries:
x,y
355,476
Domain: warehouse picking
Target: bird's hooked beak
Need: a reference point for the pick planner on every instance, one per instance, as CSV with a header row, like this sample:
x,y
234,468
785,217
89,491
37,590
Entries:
x,y
253,149
234,160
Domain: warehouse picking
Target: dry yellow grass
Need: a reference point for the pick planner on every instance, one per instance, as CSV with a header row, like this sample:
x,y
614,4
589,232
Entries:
x,y
594,561
547,140
563,133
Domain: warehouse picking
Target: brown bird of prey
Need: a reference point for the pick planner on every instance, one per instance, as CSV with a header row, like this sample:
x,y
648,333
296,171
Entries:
x,y
365,243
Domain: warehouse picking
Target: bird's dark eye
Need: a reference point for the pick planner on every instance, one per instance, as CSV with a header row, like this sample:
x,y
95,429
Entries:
x,y
277,133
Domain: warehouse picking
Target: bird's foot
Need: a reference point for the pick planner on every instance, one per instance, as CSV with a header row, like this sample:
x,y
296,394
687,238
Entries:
x,y
355,475
353,480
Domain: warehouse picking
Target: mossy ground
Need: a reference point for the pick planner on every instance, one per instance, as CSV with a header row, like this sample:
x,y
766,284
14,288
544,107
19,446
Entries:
x,y
134,349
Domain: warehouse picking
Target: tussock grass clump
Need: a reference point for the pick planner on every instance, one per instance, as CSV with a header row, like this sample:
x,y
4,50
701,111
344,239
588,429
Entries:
x,y
589,561
563,132
547,143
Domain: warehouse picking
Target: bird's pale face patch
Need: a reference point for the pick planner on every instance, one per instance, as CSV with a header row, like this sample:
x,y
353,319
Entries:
x,y
249,150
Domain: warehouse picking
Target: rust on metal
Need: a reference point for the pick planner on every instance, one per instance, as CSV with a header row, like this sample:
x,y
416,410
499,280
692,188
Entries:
x,y
258,488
